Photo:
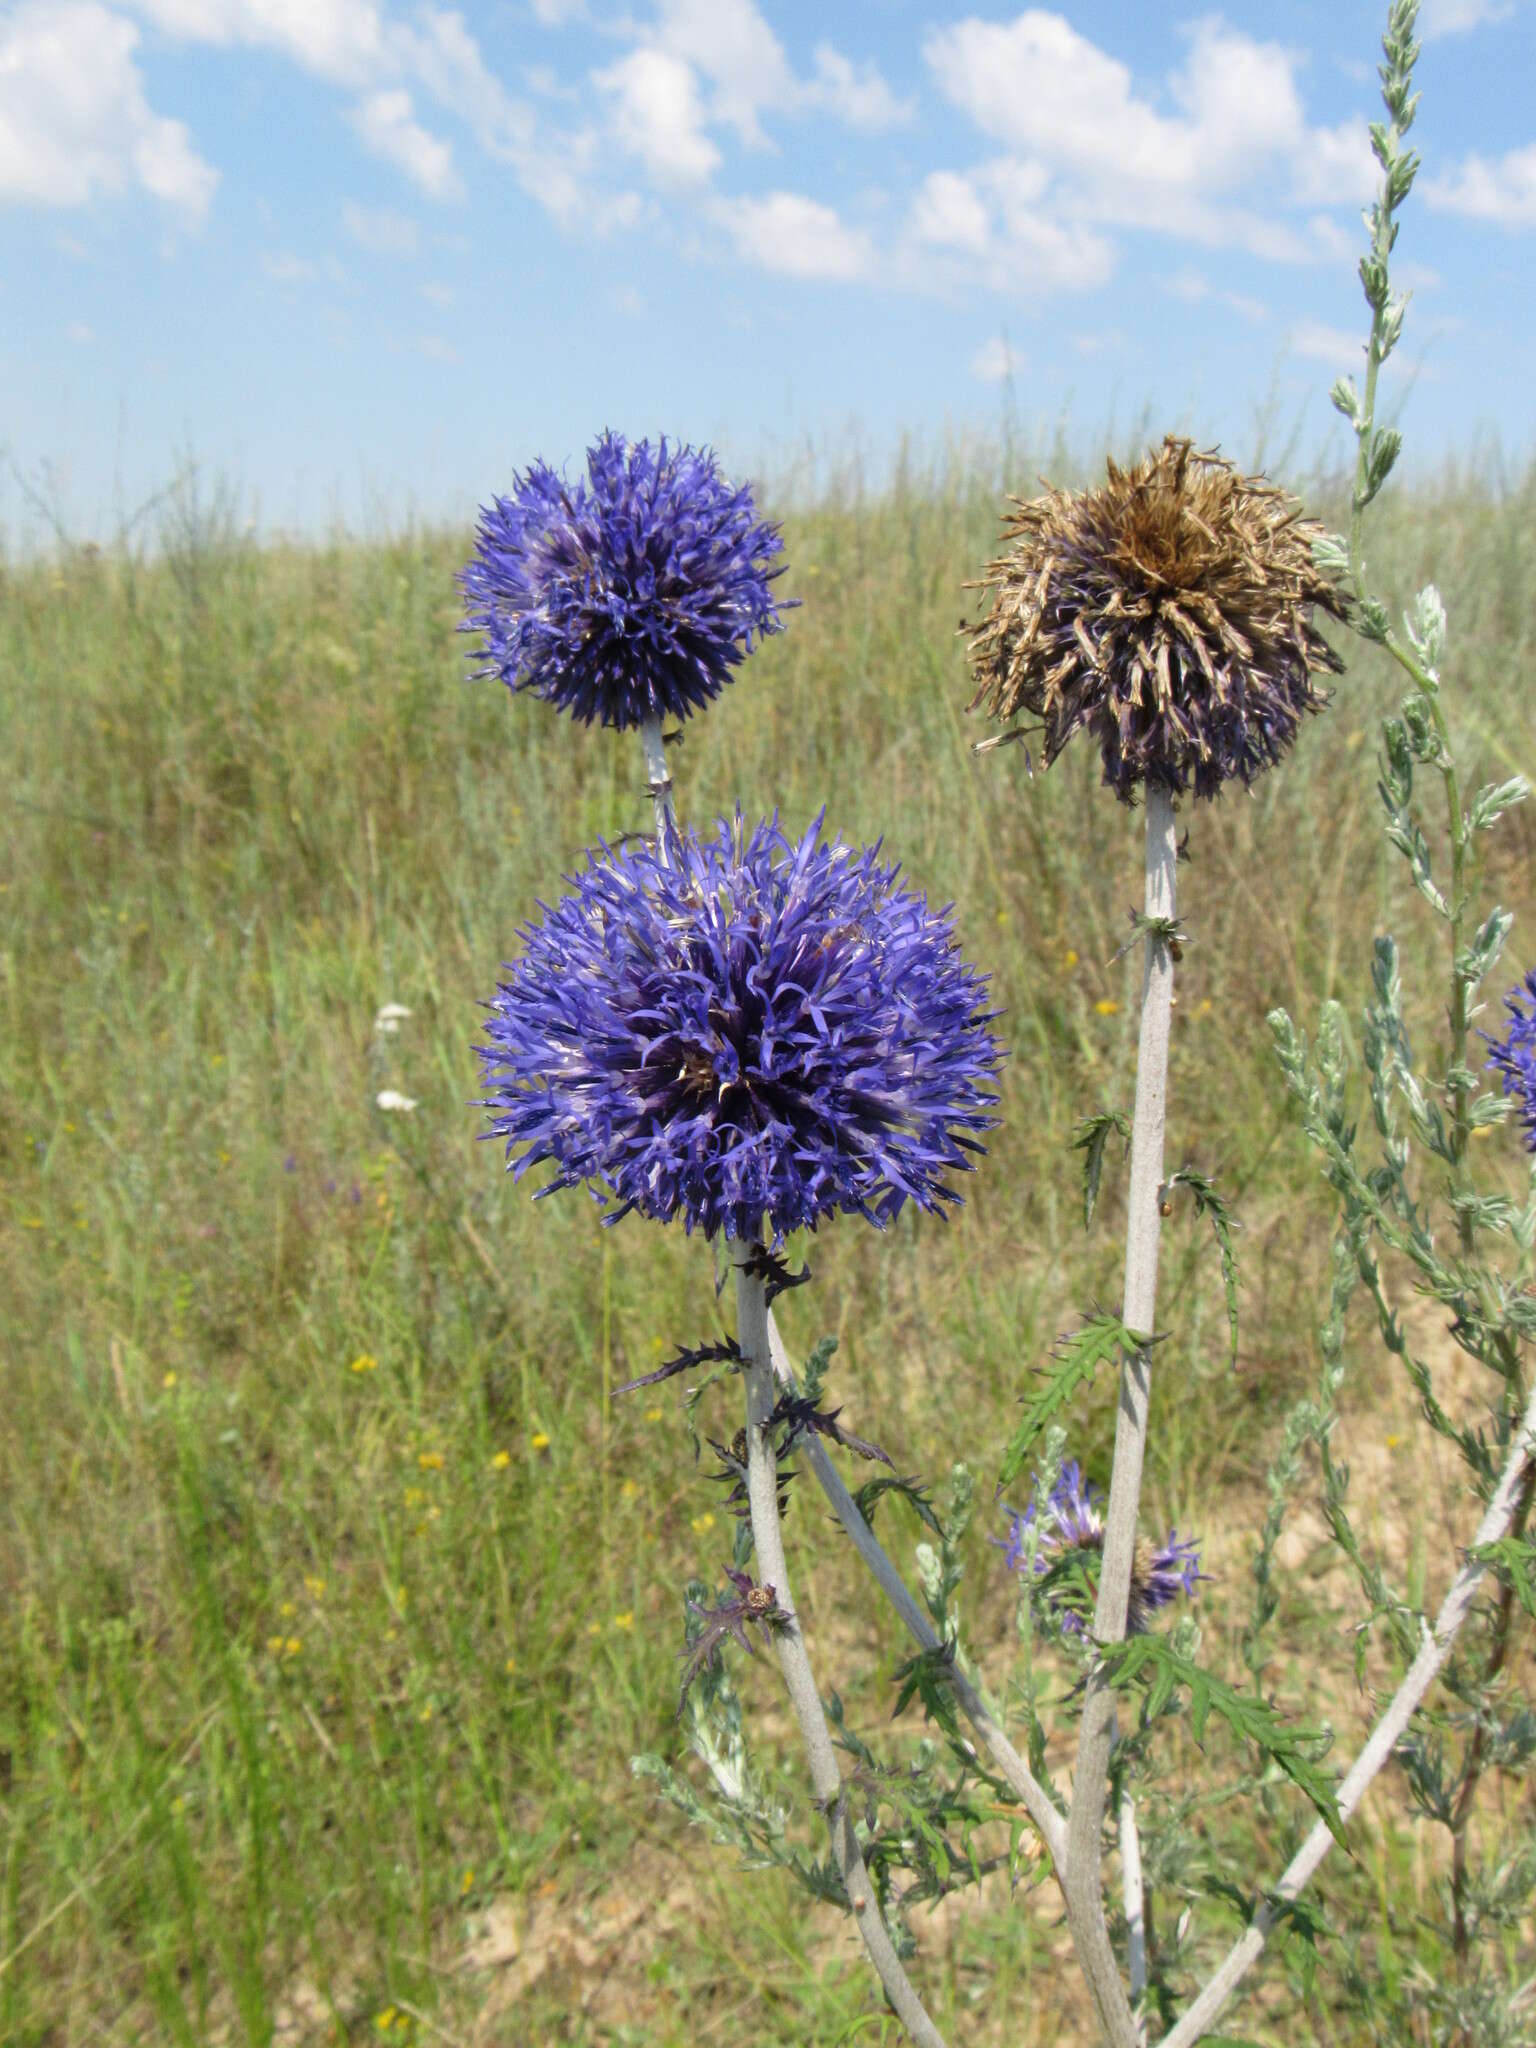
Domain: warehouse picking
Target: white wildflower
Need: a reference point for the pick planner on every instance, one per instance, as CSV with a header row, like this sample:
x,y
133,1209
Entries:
x,y
388,1021
390,1099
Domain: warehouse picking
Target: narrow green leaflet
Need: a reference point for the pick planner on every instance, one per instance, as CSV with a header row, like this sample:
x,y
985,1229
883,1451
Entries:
x,y
1078,1357
1150,1660
1209,1203
910,1490
1092,1135
1515,1556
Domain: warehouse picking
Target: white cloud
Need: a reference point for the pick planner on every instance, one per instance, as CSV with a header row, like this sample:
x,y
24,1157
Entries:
x,y
856,95
735,49
384,122
718,63
1503,191
74,120
77,331
442,295
1335,346
658,116
1050,95
949,213
378,230
437,350
1194,290
340,40
1455,17
555,13
285,268
795,236
995,360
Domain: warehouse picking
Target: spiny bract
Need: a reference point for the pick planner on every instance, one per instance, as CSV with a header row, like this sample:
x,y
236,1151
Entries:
x,y
745,1030
1169,612
628,596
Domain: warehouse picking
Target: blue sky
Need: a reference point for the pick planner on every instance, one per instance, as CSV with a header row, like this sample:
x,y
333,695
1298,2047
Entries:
x,y
363,259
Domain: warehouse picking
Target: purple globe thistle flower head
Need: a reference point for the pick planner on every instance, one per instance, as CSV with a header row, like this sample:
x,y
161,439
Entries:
x,y
1514,1055
749,1031
628,596
1070,1545
1169,613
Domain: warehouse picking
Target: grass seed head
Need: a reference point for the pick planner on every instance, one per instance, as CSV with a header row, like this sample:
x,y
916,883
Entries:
x,y
1170,612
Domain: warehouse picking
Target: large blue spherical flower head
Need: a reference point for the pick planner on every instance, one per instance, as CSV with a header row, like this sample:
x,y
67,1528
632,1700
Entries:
x,y
1514,1055
627,596
747,1031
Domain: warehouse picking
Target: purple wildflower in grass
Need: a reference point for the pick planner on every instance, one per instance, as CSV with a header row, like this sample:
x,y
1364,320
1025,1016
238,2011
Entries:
x,y
1514,1055
1071,1544
627,596
755,1030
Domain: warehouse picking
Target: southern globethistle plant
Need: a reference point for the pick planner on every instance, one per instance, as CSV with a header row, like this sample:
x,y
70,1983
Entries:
x,y
1513,1056
750,1031
1072,1534
1169,613
628,596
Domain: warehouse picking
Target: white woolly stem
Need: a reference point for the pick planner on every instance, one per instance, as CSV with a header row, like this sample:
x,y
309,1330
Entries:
x,y
1134,1893
659,782
1085,1901
772,1570
1010,1765
1378,1749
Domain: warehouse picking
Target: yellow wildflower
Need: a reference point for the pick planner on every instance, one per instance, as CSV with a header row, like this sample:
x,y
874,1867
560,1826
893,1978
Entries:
x,y
539,1440
501,1461
364,1362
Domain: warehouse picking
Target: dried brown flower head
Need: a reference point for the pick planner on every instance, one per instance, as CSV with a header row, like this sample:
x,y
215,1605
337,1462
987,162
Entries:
x,y
1169,612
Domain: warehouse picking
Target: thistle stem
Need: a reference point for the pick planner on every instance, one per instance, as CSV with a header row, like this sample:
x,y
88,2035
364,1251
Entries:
x,y
1383,1740
795,1665
1134,1892
659,783
1085,1902
1032,1795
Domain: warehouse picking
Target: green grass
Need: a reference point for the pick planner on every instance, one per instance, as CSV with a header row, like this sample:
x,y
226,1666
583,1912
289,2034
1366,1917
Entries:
x,y
303,1666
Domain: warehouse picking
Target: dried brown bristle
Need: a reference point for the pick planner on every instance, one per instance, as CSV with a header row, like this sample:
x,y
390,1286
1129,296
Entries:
x,y
1170,611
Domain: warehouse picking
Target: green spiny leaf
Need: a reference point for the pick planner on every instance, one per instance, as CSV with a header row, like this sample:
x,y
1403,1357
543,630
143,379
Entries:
x,y
1151,1659
1209,1203
1078,1357
1092,1135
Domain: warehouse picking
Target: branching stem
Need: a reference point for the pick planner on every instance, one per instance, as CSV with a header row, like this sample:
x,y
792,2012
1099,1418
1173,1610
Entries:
x,y
795,1665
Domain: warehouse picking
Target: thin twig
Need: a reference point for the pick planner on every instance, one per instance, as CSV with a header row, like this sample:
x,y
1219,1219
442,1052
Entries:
x,y
795,1665
1085,1899
1378,1749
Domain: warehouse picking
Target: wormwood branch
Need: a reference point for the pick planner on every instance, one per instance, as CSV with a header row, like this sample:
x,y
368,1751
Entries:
x,y
1433,1651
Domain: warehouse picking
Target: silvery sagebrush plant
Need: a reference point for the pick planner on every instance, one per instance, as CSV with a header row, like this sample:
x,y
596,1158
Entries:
x,y
753,1031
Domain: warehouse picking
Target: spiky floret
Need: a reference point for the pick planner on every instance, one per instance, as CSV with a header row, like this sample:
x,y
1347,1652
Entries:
x,y
629,595
1513,1056
1169,612
1070,1545
750,1030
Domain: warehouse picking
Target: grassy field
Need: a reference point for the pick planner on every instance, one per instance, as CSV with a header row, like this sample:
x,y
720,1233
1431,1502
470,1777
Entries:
x,y
335,1592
